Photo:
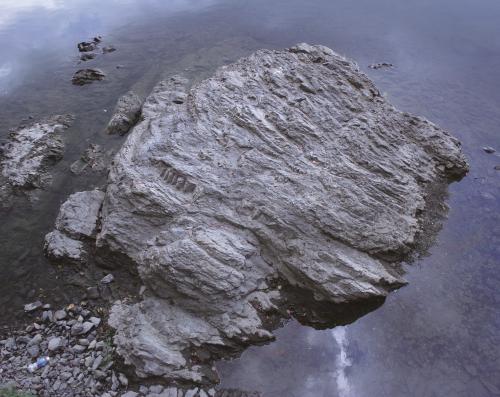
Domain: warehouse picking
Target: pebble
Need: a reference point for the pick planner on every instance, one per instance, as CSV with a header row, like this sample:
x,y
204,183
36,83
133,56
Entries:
x,y
130,394
60,315
35,340
31,307
107,279
489,149
55,344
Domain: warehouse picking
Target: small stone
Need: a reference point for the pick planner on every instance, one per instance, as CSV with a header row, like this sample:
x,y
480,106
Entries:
x,y
79,349
489,149
95,320
86,46
108,279
35,340
55,344
47,316
93,293
60,315
130,394
108,49
191,393
31,307
81,328
83,342
87,76
123,380
33,351
497,167
97,362
156,389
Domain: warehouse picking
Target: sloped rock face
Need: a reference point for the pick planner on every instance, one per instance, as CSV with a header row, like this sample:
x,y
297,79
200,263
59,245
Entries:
x,y
285,171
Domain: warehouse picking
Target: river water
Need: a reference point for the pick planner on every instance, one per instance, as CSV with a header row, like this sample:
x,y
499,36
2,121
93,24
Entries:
x,y
440,335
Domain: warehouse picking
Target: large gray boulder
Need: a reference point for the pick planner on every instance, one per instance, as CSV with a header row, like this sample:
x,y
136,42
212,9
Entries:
x,y
284,184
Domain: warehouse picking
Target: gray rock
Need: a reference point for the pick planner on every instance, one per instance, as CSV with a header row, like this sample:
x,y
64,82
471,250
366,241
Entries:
x,y
284,180
87,46
81,328
109,278
123,380
94,159
87,76
55,344
87,56
35,341
489,149
33,351
60,315
29,153
31,307
130,394
78,215
126,114
108,49
47,316
79,349
58,246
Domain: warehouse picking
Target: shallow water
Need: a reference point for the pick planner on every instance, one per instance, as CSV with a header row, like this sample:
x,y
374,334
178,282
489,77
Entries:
x,y
440,335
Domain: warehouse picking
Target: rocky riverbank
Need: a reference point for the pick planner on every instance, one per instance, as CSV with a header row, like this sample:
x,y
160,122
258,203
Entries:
x,y
82,359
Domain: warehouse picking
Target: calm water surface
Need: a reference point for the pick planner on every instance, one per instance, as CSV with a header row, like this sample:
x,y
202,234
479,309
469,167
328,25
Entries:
x,y
440,335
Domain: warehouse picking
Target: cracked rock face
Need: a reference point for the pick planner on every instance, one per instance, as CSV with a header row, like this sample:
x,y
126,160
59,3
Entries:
x,y
285,171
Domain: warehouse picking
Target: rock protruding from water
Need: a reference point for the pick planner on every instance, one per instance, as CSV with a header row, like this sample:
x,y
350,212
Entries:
x,y
87,76
285,184
75,225
28,154
126,114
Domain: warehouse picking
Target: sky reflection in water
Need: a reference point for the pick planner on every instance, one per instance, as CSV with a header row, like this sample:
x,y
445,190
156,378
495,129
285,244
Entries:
x,y
439,336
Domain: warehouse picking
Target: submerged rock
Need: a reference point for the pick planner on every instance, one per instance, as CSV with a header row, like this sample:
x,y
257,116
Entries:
x,y
381,65
87,46
93,159
87,76
284,184
28,154
126,114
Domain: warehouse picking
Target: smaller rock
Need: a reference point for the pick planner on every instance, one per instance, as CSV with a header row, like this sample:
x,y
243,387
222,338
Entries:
x,y
95,320
497,167
87,76
130,394
489,149
55,344
47,316
81,328
108,49
60,315
381,65
87,56
157,389
33,351
107,279
31,307
93,293
123,380
79,349
35,340
86,46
